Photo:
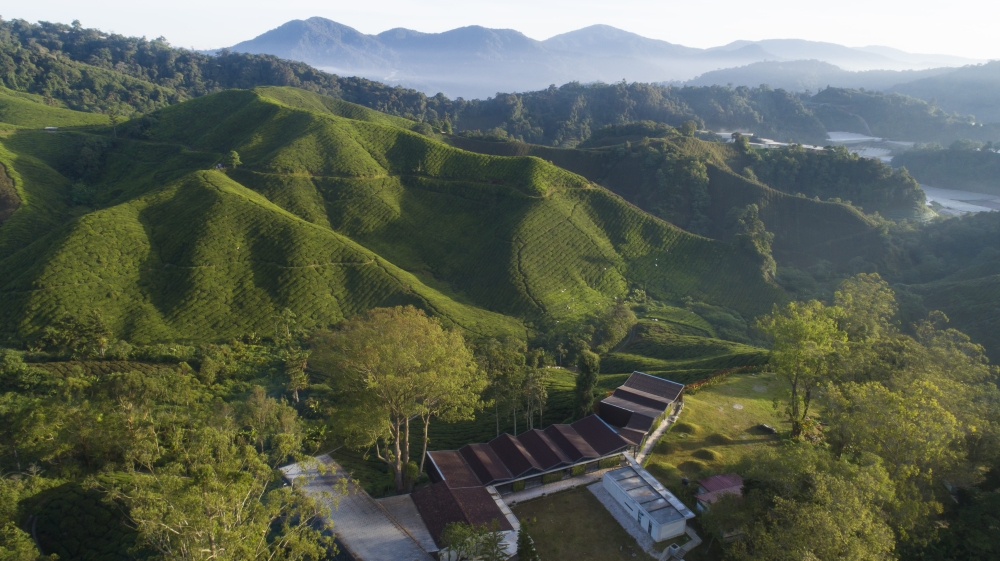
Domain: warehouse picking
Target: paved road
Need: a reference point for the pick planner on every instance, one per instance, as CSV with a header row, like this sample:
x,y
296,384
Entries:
x,y
363,526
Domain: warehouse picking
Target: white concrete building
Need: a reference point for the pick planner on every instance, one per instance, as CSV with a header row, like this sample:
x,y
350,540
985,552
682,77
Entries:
x,y
656,509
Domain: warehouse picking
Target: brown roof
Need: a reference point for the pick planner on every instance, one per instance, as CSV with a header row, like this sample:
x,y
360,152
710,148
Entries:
x,y
440,505
713,496
571,443
633,436
613,414
599,435
720,482
514,455
639,422
453,469
642,398
484,463
546,452
653,385
632,406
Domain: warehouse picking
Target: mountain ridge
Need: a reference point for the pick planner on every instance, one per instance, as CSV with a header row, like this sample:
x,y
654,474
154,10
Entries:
x,y
434,62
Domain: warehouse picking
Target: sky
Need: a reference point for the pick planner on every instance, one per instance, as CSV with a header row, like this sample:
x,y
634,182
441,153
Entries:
x,y
962,28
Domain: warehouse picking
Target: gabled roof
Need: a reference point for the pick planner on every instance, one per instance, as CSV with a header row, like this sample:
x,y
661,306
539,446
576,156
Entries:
x,y
599,435
571,443
653,385
640,397
440,505
453,469
634,437
514,456
632,406
484,463
545,451
719,482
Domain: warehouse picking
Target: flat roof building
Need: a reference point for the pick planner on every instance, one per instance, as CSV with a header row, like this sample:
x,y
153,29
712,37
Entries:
x,y
658,512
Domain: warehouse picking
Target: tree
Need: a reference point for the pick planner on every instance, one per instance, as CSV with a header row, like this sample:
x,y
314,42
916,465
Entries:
x,y
525,545
295,371
868,306
802,503
613,326
504,363
535,393
752,236
908,429
232,159
805,340
589,365
688,128
392,365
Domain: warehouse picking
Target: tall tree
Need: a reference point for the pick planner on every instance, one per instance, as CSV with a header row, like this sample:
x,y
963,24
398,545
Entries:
x,y
805,340
504,363
393,365
589,365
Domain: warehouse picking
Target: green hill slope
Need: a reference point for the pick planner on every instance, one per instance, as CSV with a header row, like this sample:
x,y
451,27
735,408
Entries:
x,y
30,111
660,178
327,216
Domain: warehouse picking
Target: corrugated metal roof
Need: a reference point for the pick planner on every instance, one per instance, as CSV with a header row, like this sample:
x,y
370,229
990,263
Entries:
x,y
599,435
653,385
440,505
484,463
546,452
572,444
514,456
454,469
719,482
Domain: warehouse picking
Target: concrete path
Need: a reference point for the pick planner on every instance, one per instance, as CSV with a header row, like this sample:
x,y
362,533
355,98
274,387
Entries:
x,y
655,437
363,526
564,485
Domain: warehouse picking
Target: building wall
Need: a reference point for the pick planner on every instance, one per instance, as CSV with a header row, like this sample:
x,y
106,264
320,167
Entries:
x,y
659,532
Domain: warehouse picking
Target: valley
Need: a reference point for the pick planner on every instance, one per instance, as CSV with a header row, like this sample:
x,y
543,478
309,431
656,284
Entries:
x,y
217,267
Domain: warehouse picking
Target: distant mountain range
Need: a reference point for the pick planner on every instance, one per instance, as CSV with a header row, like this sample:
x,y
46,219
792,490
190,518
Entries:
x,y
477,62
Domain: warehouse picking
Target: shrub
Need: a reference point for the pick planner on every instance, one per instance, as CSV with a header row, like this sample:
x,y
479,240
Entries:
x,y
578,470
718,439
614,461
687,428
692,467
517,486
705,454
552,477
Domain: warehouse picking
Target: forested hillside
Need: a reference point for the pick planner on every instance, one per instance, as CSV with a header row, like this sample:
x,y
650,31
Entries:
x,y
86,69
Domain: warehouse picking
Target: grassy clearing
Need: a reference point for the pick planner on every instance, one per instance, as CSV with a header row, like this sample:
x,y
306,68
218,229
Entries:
x,y
575,525
716,428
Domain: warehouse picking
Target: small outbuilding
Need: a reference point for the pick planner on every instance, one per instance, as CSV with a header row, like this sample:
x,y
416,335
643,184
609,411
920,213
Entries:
x,y
711,488
657,510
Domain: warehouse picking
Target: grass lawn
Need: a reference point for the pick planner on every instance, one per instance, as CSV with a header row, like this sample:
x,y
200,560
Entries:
x,y
716,428
575,525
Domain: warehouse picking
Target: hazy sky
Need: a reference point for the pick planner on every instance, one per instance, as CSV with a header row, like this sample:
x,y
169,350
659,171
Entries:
x,y
965,28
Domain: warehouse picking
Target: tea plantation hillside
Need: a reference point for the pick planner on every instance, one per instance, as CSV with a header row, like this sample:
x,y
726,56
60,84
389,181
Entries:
x,y
334,209
691,183
27,110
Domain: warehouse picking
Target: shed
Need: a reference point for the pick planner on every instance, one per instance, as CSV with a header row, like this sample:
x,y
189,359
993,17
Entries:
x,y
657,510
